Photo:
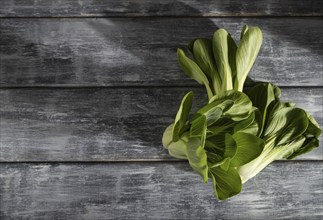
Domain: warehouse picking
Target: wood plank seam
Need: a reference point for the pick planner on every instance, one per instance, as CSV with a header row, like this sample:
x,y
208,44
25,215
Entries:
x,y
164,16
136,161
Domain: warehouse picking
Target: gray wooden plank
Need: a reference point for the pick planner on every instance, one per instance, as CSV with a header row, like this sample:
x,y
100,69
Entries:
x,y
290,190
142,51
107,124
103,8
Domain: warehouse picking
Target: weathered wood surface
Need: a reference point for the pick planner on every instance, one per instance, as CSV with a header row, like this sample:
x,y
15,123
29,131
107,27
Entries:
x,y
110,8
96,153
106,124
142,51
284,190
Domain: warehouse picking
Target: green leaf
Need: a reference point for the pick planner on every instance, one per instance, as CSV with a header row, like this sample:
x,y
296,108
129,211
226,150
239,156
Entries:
x,y
182,115
313,129
224,104
213,111
203,56
249,147
232,46
221,55
286,124
215,160
212,114
241,108
262,96
221,126
198,127
193,71
270,153
225,183
196,154
222,145
308,145
244,31
246,54
279,105
311,134
221,149
251,124
226,125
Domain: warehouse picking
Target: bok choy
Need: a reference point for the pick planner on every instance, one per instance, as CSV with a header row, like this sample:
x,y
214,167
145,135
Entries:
x,y
235,135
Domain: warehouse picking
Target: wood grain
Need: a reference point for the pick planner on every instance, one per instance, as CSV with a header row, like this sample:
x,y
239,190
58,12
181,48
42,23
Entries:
x,y
106,124
84,142
289,190
110,8
142,51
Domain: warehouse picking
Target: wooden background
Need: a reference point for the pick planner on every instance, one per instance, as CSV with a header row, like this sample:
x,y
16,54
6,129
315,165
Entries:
x,y
87,88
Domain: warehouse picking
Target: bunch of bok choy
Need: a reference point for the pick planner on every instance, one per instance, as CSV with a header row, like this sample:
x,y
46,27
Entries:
x,y
236,134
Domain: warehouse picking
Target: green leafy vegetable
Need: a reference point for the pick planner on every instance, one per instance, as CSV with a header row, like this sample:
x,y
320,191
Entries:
x,y
287,131
235,135
210,152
